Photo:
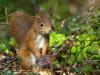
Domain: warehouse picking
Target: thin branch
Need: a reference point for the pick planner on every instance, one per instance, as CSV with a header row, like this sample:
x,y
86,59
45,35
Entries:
x,y
6,13
85,19
1,18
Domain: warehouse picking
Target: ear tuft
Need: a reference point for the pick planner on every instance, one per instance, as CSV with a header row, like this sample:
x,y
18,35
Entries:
x,y
38,16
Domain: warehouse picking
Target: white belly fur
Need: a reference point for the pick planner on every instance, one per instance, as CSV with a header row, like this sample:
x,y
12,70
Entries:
x,y
33,59
40,41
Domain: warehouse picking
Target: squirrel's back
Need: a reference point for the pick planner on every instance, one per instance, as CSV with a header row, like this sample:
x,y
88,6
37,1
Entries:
x,y
19,24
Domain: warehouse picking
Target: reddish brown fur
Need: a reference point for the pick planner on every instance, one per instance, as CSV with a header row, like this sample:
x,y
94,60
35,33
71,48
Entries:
x,y
19,25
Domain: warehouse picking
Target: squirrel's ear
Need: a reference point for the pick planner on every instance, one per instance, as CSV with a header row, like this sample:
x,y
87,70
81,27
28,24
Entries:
x,y
38,16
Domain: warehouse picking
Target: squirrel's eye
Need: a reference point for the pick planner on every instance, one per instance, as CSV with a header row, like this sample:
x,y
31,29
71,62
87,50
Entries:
x,y
42,25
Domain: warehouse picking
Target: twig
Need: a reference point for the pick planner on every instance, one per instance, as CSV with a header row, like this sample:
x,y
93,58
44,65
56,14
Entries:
x,y
85,19
6,13
6,16
1,24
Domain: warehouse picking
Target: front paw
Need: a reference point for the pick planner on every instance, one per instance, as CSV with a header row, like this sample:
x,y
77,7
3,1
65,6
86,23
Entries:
x,y
44,61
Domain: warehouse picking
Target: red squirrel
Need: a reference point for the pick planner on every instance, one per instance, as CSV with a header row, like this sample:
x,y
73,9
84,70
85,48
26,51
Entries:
x,y
32,34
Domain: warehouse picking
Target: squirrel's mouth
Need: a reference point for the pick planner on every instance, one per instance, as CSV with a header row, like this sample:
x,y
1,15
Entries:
x,y
45,32
42,32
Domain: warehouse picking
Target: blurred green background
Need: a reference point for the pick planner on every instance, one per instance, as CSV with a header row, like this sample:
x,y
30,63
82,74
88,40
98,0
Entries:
x,y
68,18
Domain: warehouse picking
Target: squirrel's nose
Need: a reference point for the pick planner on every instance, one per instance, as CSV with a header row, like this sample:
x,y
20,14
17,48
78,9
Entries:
x,y
49,30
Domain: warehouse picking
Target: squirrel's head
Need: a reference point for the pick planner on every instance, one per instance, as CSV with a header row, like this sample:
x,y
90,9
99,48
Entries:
x,y
43,24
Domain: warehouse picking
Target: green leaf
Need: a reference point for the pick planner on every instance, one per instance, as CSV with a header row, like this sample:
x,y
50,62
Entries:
x,y
56,39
